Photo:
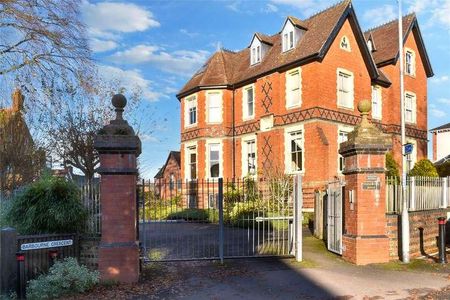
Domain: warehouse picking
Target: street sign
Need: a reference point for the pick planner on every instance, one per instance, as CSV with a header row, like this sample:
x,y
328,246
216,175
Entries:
x,y
45,245
408,148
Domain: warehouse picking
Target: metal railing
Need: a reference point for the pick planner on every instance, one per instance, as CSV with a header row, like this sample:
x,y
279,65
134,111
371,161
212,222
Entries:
x,y
422,193
215,219
90,197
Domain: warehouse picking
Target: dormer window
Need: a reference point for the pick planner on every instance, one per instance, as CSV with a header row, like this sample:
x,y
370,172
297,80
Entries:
x,y
288,41
292,32
256,55
258,48
370,45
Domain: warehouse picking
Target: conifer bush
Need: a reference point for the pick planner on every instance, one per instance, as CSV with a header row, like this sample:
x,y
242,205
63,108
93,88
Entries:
x,y
424,167
49,205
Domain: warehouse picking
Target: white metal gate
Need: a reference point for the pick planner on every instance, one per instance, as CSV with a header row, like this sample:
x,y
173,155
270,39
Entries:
x,y
334,217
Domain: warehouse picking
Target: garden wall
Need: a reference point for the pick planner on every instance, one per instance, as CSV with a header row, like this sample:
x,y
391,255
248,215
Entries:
x,y
423,230
89,252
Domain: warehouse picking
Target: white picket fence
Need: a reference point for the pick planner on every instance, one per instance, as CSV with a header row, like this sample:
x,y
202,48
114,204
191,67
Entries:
x,y
422,193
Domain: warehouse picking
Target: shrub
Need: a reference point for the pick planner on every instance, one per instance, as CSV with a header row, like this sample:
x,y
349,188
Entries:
x,y
195,214
392,168
443,169
424,167
64,278
50,205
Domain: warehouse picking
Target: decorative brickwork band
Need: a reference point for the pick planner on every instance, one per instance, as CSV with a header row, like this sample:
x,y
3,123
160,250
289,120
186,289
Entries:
x,y
118,147
299,116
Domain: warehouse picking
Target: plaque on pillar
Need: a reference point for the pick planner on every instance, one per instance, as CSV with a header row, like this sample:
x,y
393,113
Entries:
x,y
365,240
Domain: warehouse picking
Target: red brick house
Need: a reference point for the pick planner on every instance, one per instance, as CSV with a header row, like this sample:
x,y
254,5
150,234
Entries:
x,y
20,161
168,178
287,100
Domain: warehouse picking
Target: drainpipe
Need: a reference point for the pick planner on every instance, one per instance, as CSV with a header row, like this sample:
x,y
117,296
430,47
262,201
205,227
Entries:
x,y
234,138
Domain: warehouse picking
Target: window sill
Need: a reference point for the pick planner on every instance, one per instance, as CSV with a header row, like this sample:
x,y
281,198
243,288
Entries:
x,y
411,75
346,107
288,50
302,172
190,126
294,106
250,118
214,123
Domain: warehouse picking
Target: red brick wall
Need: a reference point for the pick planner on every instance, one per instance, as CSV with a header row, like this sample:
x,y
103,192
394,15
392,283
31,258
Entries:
x,y
422,219
318,89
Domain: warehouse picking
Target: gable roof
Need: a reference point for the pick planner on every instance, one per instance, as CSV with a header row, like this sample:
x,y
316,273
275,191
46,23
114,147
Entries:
x,y
296,22
386,39
233,68
262,38
445,126
176,155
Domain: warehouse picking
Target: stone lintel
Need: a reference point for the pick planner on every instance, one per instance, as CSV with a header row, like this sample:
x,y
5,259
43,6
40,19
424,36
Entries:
x,y
364,171
365,236
117,171
347,149
131,244
119,144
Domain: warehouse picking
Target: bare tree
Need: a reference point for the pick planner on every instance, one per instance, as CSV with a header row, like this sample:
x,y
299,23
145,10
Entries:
x,y
40,38
71,125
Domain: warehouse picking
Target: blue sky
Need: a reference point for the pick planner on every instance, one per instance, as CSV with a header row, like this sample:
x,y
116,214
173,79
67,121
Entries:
x,y
158,45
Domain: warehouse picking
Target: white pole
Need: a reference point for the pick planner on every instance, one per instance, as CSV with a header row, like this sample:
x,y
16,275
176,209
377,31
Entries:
x,y
405,215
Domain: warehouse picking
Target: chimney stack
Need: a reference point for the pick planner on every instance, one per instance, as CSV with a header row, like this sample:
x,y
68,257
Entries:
x,y
18,100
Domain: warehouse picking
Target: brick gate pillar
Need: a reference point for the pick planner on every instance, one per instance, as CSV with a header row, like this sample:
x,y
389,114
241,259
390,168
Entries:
x,y
365,237
118,147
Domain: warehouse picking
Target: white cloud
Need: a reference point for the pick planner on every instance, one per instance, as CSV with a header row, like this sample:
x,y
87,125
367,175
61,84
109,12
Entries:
x,y
234,6
105,18
306,7
180,62
269,8
131,78
440,79
436,112
380,14
149,138
444,101
441,13
188,33
98,45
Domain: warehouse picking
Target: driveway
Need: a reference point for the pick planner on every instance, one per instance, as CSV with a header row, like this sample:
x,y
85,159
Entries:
x,y
322,275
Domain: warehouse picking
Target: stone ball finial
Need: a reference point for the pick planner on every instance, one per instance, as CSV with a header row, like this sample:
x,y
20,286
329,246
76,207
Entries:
x,y
364,106
119,101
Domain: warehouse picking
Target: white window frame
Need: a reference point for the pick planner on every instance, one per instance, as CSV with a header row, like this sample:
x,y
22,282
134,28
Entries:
x,y
208,169
412,107
244,153
245,114
351,92
411,71
370,45
289,89
287,148
288,40
207,110
190,102
376,92
346,130
188,149
348,48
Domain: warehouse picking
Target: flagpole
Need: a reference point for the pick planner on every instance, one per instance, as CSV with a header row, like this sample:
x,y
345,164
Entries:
x,y
405,215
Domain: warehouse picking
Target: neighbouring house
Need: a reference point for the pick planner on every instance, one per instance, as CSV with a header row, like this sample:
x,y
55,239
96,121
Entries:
x,y
168,179
288,100
69,174
441,142
20,161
